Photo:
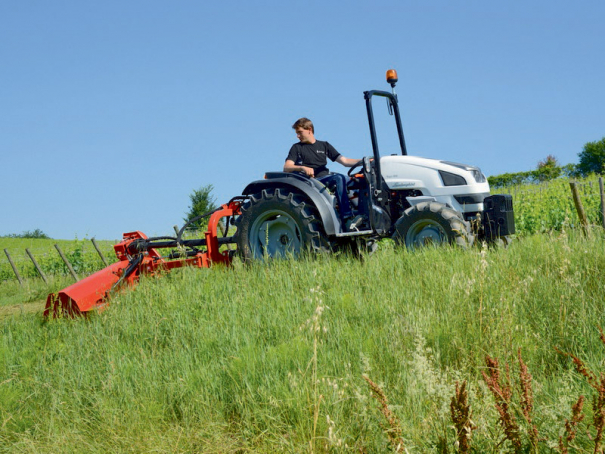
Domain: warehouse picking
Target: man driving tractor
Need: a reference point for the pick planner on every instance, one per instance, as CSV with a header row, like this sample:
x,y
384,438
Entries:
x,y
310,156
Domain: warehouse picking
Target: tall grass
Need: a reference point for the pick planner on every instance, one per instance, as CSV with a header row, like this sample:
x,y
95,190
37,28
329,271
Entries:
x,y
32,291
243,360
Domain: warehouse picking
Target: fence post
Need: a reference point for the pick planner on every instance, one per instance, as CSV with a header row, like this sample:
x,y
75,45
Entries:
x,y
94,243
36,265
602,201
71,270
14,267
579,207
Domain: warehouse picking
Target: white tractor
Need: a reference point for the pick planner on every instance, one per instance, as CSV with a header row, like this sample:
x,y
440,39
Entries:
x,y
416,201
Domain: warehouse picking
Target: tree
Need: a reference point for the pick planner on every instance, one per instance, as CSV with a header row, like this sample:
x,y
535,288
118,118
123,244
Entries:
x,y
37,234
550,161
202,202
548,169
592,158
570,170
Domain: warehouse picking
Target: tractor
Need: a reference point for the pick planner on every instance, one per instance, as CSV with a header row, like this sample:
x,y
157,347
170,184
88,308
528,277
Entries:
x,y
415,201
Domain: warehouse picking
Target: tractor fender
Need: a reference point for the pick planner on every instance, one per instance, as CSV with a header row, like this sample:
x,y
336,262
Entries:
x,y
313,189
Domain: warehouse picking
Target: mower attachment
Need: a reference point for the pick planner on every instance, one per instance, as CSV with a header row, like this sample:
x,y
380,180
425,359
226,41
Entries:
x,y
139,254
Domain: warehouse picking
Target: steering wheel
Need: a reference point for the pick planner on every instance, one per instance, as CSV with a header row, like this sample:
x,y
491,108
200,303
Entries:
x,y
364,162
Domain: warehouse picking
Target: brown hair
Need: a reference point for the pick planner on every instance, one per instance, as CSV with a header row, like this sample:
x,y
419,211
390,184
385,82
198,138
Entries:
x,y
304,123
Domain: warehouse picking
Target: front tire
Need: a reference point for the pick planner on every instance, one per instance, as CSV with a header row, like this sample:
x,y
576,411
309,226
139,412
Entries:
x,y
432,223
277,223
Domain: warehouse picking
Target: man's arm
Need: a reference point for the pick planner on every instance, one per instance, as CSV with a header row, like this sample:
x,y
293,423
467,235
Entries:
x,y
347,162
290,166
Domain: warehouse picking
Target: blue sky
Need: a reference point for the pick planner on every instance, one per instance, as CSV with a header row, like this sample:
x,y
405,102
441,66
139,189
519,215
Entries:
x,y
111,113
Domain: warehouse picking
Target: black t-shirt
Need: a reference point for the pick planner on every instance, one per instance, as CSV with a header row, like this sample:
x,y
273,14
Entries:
x,y
314,155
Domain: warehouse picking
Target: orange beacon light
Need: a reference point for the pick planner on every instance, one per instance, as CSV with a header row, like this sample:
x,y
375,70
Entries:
x,y
392,77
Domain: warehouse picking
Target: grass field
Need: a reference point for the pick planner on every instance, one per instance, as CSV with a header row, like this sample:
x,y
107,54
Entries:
x,y
272,357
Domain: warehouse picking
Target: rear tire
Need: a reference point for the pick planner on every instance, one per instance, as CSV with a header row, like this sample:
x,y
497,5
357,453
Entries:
x,y
277,223
432,223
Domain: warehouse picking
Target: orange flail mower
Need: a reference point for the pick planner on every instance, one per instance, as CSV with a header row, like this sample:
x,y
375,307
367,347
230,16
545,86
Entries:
x,y
139,254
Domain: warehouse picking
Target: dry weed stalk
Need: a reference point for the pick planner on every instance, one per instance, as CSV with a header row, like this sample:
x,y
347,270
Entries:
x,y
571,427
598,400
598,407
461,416
393,431
527,400
502,393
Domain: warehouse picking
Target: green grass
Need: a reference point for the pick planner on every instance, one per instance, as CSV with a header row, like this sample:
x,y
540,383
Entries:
x,y
270,357
33,290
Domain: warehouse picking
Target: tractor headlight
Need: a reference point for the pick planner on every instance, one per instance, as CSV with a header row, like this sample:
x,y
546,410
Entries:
x,y
451,179
478,175
475,172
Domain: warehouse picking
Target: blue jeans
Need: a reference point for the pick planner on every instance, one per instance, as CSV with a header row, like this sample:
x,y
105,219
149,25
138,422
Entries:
x,y
339,182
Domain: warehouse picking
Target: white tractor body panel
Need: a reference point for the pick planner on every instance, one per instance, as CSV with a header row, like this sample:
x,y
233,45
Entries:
x,y
423,174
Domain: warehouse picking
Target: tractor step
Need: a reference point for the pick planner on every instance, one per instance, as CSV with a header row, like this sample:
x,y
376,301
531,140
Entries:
x,y
350,234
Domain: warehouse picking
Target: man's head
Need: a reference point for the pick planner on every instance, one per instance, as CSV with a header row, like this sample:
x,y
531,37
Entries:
x,y
304,130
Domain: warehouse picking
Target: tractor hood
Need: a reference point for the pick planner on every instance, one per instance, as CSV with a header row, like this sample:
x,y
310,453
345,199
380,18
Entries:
x,y
432,177
397,170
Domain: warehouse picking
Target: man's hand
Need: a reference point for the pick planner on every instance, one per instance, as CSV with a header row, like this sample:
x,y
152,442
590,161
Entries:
x,y
289,166
308,171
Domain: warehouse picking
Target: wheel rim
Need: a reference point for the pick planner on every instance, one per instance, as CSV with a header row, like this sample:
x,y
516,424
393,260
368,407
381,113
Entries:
x,y
275,234
425,232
